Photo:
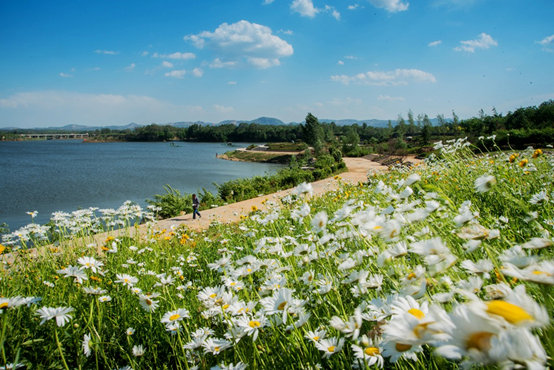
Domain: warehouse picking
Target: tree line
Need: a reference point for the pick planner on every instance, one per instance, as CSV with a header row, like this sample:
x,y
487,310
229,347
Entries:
x,y
526,125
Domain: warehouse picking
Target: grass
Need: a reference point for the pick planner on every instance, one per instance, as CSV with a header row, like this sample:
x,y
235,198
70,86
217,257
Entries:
x,y
441,266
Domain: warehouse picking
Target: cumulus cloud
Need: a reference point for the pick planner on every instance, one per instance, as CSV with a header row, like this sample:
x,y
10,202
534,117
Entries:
x,y
390,98
197,72
177,55
483,41
176,74
106,52
333,11
388,78
546,43
243,41
218,63
287,32
392,6
65,75
352,7
435,43
232,83
166,64
130,67
144,53
306,8
267,2
341,63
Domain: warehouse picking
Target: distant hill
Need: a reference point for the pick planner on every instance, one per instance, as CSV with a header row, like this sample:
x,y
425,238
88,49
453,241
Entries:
x,y
181,124
370,122
261,121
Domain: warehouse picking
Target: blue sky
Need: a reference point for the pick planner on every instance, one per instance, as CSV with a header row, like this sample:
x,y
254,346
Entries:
x,y
115,62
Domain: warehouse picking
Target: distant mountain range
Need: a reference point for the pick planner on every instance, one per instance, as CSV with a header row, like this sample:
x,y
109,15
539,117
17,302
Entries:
x,y
260,121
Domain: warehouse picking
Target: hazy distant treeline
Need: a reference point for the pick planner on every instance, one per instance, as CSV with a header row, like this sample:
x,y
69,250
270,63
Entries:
x,y
529,125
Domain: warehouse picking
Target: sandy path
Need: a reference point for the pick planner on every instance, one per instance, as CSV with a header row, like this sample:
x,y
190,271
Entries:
x,y
357,172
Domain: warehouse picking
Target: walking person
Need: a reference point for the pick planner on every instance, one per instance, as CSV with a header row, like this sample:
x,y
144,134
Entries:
x,y
195,204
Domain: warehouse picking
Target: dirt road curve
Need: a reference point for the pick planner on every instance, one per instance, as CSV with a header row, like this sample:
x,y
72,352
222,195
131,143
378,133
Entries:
x,y
358,169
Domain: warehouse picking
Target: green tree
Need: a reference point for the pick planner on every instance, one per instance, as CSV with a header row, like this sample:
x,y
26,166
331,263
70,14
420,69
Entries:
x,y
313,133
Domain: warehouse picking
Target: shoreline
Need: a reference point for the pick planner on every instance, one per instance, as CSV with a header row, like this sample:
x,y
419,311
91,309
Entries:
x,y
358,169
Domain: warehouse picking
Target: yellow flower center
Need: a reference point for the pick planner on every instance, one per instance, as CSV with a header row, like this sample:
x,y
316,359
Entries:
x,y
316,338
213,295
174,317
416,313
371,351
225,306
148,302
420,329
281,307
331,349
254,324
3,305
402,347
541,273
411,276
480,341
510,312
217,349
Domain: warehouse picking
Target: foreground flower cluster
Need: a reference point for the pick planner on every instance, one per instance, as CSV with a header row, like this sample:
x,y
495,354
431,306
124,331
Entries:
x,y
445,265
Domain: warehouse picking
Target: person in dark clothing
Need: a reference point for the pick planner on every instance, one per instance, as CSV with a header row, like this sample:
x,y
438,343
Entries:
x,y
195,204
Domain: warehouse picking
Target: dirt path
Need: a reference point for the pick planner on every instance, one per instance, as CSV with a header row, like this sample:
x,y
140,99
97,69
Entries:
x,y
358,169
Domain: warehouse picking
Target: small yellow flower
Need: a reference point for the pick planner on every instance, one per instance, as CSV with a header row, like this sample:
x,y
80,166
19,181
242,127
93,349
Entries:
x,y
523,163
2,248
536,153
254,208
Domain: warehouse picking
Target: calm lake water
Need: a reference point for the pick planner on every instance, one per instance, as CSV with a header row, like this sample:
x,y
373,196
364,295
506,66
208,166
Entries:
x,y
65,175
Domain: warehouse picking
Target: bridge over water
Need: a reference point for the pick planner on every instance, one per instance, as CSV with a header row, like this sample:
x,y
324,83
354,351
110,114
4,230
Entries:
x,y
55,136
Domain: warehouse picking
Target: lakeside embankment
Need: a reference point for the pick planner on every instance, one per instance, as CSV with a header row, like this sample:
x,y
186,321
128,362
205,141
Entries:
x,y
358,169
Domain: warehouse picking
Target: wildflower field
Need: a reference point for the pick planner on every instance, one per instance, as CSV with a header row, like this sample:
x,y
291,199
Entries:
x,y
445,265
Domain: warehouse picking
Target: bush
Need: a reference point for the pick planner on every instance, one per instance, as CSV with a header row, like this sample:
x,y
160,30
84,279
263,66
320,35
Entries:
x,y
172,203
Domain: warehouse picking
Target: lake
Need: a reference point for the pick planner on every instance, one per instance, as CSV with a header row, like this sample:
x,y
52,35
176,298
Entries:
x,y
66,175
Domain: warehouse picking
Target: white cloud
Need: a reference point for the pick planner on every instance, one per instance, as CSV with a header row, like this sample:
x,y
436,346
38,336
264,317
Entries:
x,y
166,64
267,2
287,32
435,43
262,63
390,98
65,75
232,83
305,8
176,74
218,63
197,72
546,43
333,11
130,67
392,6
242,41
177,55
483,41
341,63
352,7
389,78
351,57
106,52
144,53
222,109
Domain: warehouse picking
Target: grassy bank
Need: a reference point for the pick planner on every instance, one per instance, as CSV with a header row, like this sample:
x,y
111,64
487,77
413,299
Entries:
x,y
256,156
445,265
